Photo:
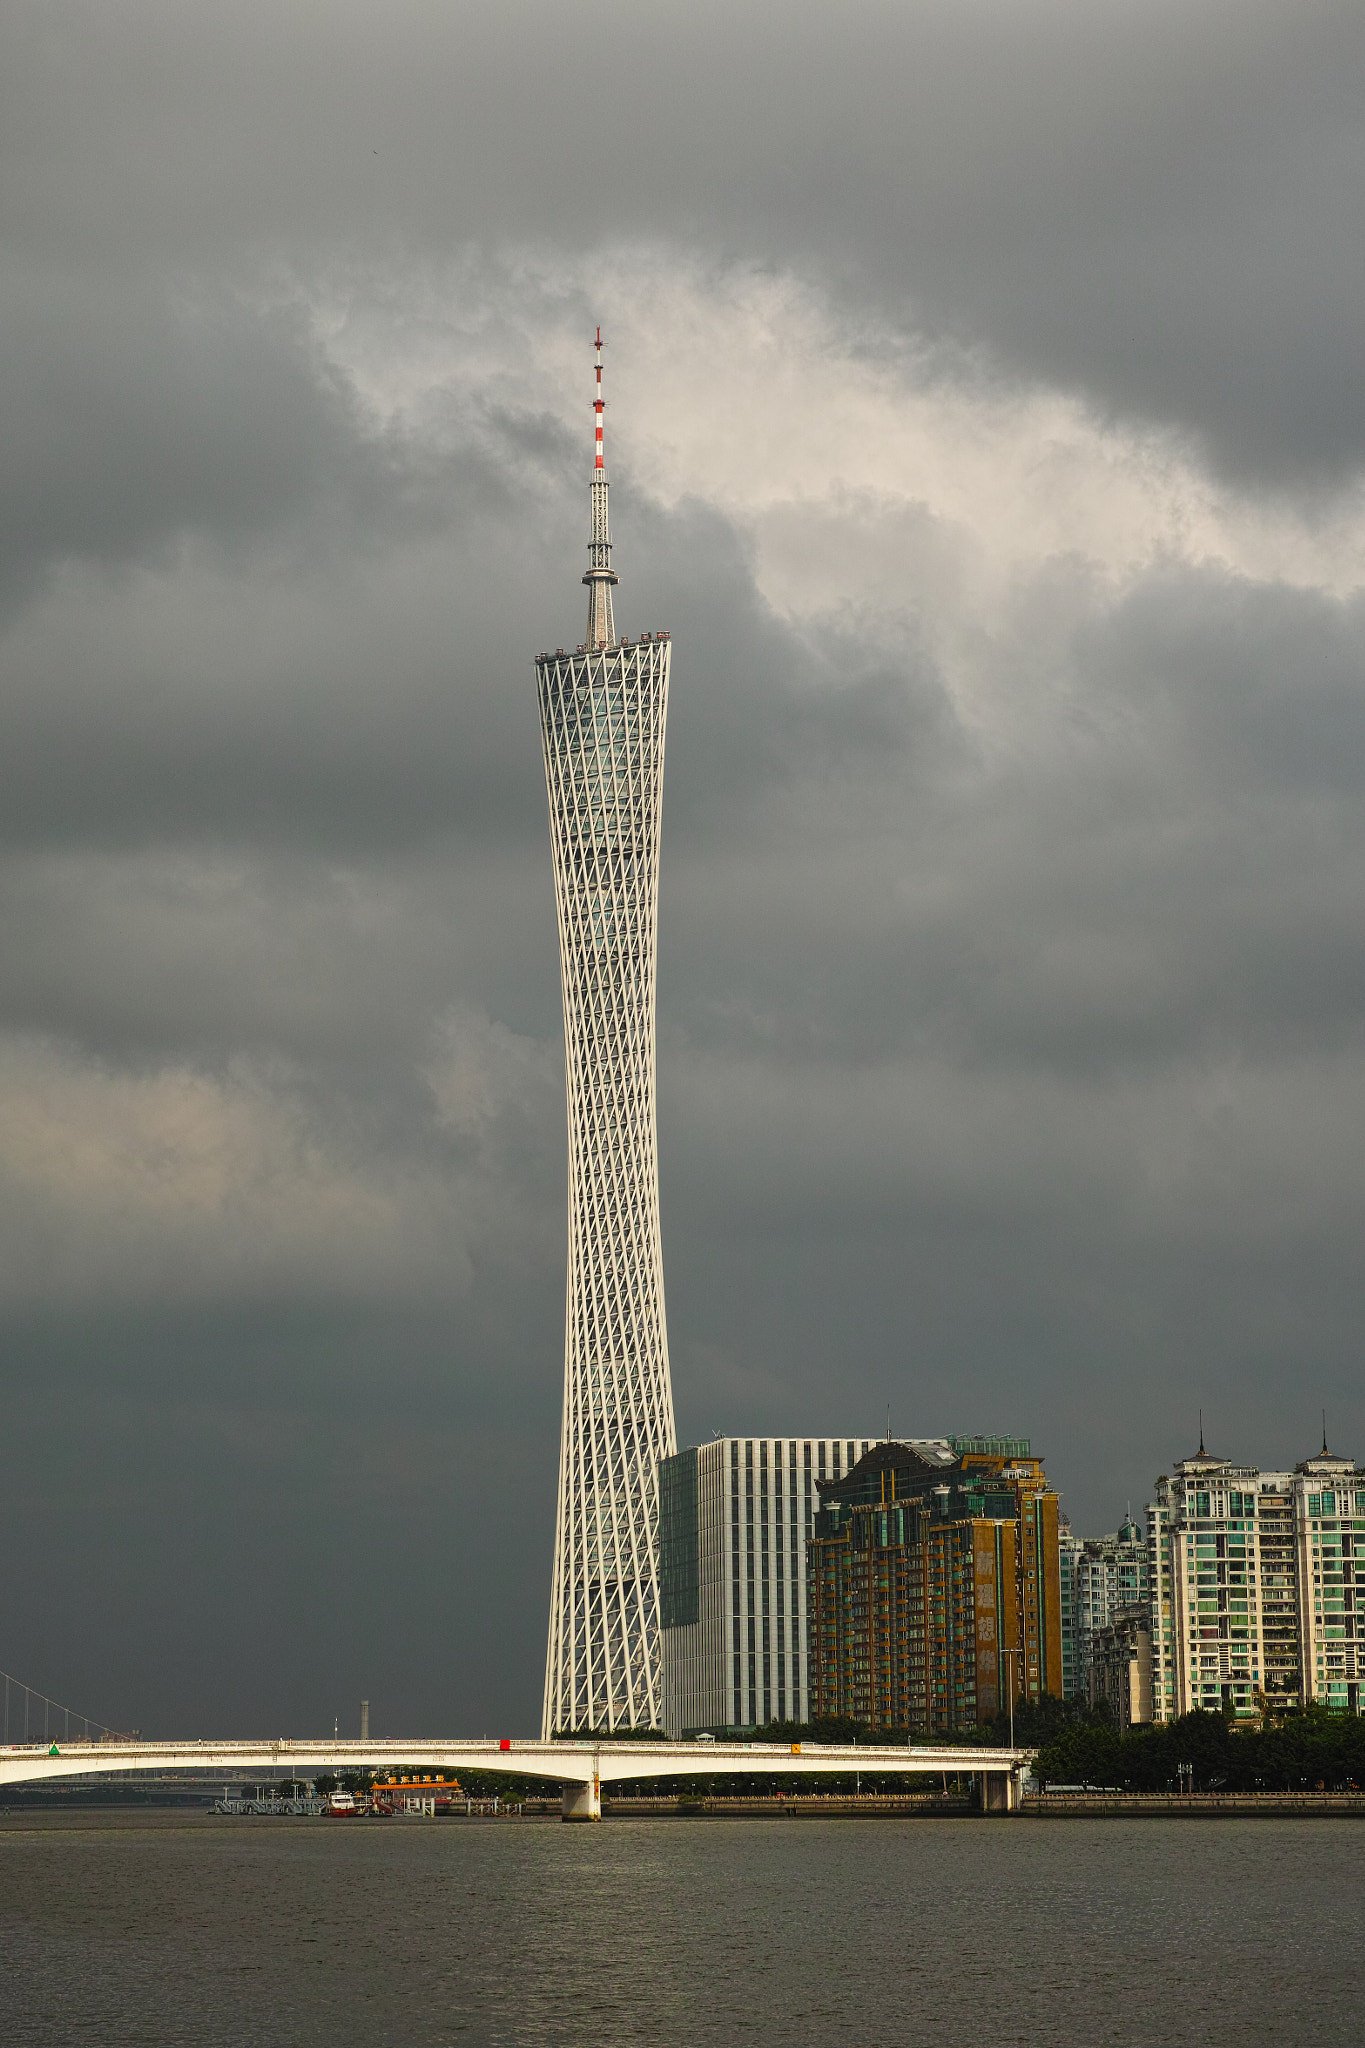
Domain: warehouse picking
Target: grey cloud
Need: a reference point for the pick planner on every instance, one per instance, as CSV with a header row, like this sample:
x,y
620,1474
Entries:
x,y
186,953
132,416
1010,1043
288,1515
1155,207
274,695
1131,882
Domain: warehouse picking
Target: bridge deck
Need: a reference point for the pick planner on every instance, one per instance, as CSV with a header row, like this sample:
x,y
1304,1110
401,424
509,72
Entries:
x,y
563,1763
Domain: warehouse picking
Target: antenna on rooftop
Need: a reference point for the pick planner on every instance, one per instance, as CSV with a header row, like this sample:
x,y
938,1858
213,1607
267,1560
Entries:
x,y
600,576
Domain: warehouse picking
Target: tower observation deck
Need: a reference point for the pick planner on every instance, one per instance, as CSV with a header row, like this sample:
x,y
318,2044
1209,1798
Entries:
x,y
602,714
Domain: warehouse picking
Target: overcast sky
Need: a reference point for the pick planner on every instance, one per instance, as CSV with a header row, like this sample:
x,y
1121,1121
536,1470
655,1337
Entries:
x,y
987,424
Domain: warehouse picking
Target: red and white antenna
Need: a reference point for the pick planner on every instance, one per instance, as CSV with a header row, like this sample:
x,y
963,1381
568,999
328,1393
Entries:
x,y
599,579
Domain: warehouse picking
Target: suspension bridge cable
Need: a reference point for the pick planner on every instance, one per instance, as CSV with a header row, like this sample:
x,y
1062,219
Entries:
x,y
49,1707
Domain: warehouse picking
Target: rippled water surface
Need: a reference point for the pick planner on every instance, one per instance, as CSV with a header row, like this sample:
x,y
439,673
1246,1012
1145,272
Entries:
x,y
247,1935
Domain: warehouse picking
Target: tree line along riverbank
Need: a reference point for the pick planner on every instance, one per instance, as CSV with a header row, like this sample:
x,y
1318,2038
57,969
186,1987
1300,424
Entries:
x,y
1312,1751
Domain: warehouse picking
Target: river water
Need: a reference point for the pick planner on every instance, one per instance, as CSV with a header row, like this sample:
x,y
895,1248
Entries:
x,y
173,1931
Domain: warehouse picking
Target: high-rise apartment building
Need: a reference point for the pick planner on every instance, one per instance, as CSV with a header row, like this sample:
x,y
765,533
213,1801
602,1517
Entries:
x,y
734,1519
602,714
1120,1672
934,1586
1203,1553
1277,1584
1329,1509
1101,1577
1254,1585
1069,1548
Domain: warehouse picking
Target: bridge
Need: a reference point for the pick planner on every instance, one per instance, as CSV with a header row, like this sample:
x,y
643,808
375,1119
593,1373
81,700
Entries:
x,y
580,1768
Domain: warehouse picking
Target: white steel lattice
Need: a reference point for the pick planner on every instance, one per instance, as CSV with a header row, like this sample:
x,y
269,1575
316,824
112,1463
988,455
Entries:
x,y
602,716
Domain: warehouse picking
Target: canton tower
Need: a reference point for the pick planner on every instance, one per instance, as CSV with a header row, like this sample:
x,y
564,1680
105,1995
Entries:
x,y
602,712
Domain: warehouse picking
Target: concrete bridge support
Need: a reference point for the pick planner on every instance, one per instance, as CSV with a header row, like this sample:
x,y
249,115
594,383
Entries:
x,y
999,1792
583,1802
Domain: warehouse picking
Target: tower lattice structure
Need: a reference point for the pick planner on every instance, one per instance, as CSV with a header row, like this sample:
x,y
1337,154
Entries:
x,y
602,715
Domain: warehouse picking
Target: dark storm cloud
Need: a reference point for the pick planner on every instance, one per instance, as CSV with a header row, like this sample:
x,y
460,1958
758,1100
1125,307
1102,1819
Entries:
x,y
289,666
132,417
1156,205
1171,865
1010,944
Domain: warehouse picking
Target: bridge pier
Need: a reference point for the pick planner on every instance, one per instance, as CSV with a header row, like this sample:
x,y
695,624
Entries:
x,y
999,1792
583,1802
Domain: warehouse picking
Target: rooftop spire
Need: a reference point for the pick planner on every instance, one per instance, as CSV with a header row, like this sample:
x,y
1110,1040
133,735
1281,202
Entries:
x,y
599,579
